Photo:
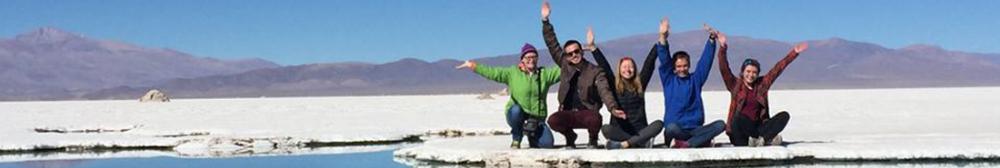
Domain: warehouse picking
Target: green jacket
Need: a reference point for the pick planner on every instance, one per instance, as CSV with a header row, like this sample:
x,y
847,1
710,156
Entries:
x,y
529,91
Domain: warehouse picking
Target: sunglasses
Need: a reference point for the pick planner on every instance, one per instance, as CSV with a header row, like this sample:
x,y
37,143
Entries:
x,y
578,51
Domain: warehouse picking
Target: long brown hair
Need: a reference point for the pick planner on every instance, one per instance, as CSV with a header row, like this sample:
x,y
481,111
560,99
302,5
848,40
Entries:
x,y
622,84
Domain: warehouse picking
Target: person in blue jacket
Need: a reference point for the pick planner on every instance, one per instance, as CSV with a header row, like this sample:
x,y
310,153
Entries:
x,y
684,113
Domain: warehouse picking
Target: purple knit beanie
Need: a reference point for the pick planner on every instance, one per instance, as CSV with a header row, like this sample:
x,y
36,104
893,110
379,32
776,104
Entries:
x,y
527,48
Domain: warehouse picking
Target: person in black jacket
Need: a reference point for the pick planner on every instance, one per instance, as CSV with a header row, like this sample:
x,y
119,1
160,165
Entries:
x,y
630,128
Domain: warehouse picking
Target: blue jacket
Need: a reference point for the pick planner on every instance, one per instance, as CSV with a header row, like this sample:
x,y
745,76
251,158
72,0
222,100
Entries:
x,y
682,96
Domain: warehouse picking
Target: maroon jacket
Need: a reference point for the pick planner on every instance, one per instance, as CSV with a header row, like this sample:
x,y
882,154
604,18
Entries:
x,y
735,85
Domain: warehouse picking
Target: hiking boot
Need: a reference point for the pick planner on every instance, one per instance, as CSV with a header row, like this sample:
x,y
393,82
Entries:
x,y
570,142
515,145
776,141
756,142
613,145
592,144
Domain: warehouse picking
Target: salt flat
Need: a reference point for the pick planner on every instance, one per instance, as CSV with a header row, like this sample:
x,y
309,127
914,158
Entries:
x,y
835,124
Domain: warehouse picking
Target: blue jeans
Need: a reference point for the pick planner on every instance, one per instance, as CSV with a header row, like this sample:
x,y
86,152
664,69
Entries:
x,y
695,137
516,118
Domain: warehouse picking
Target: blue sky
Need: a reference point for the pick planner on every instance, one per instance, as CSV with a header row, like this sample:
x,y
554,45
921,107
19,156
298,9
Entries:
x,y
297,32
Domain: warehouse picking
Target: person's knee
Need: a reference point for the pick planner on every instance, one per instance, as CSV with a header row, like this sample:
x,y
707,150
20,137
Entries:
x,y
514,109
672,130
783,115
718,124
672,127
606,129
657,122
556,124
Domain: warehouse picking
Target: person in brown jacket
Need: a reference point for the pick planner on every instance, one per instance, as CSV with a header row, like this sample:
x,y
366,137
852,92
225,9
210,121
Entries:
x,y
749,121
582,90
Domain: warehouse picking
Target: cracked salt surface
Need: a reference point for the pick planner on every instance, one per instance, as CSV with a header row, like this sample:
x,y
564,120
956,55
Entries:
x,y
834,124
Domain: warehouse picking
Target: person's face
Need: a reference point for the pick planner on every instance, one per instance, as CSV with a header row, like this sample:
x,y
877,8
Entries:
x,y
626,69
681,67
530,60
573,54
750,73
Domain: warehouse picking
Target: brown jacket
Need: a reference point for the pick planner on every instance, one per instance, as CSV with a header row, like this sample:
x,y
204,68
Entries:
x,y
592,86
760,87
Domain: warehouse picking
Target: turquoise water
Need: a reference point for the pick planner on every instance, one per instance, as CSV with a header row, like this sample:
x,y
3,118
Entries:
x,y
381,159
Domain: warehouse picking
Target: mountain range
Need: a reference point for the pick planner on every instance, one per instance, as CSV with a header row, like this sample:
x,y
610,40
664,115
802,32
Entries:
x,y
52,64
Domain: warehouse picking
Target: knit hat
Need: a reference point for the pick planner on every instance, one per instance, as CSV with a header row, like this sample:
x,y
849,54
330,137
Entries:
x,y
527,48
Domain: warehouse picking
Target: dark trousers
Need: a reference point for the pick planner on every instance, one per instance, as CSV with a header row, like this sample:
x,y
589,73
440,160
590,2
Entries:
x,y
565,121
616,133
743,128
697,137
541,138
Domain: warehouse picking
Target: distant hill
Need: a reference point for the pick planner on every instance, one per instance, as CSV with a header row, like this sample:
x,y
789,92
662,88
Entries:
x,y
49,63
829,63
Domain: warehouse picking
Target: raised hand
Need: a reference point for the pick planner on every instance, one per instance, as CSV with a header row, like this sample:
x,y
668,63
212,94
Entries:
x,y
468,64
664,29
722,39
590,39
800,47
712,33
546,10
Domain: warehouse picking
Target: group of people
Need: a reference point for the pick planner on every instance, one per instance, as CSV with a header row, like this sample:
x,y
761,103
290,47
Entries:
x,y
584,88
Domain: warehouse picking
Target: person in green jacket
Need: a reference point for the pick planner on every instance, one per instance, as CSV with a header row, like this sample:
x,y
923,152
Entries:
x,y
528,86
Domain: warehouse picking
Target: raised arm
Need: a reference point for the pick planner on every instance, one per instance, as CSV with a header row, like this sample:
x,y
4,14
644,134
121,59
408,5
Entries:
x,y
603,63
727,74
707,56
600,59
778,68
501,75
549,35
663,52
647,67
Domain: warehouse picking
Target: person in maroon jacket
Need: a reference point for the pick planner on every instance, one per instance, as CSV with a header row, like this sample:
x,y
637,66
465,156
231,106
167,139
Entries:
x,y
749,121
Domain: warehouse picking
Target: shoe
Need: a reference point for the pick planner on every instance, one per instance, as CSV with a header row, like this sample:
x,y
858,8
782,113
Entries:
x,y
592,144
613,145
570,142
756,142
776,141
569,147
679,144
515,145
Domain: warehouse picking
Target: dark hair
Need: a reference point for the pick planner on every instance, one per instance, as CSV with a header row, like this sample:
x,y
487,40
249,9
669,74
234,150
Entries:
x,y
680,55
571,42
750,62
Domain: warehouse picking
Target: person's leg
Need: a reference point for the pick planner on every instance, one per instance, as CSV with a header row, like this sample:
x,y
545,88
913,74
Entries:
x,y
560,122
515,119
614,133
545,139
741,130
772,127
645,134
702,135
591,120
674,131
